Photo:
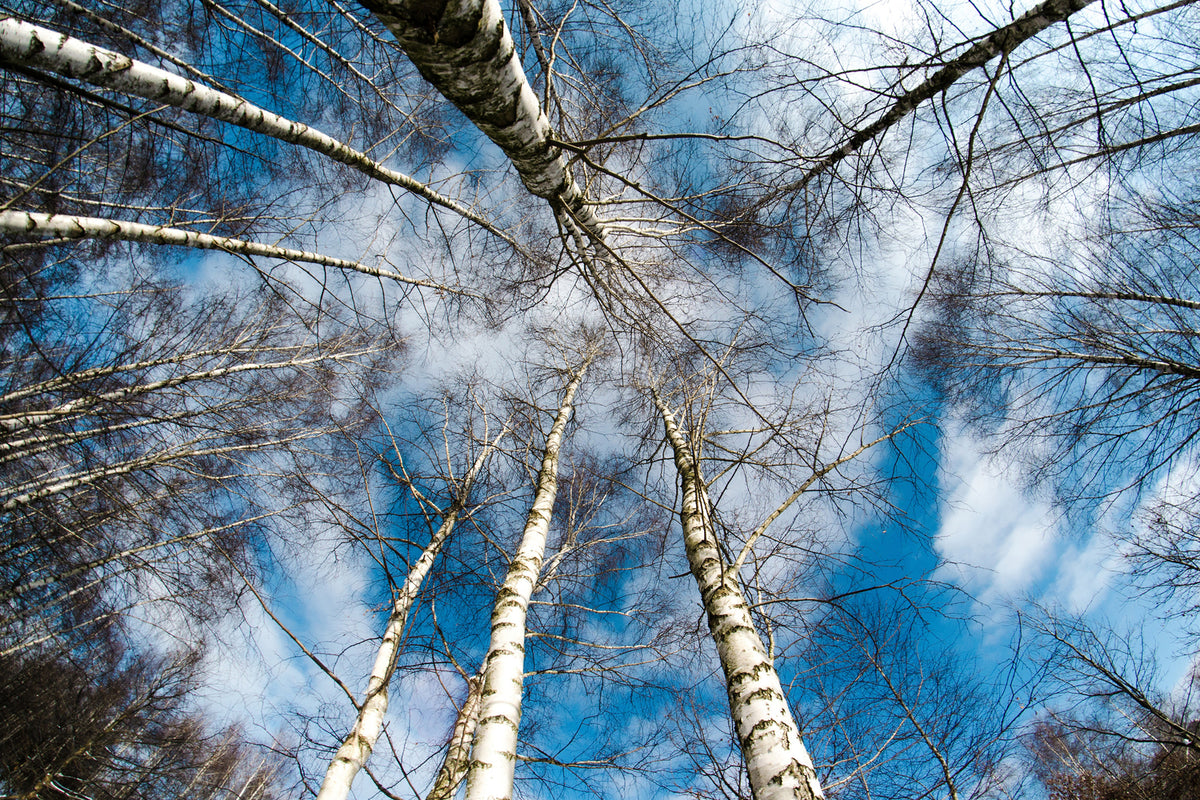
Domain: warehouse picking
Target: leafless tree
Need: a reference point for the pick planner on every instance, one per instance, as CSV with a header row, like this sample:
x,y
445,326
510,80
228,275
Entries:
x,y
1109,730
318,145
99,719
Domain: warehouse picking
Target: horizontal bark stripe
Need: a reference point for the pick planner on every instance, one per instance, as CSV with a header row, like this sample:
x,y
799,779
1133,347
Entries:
x,y
777,762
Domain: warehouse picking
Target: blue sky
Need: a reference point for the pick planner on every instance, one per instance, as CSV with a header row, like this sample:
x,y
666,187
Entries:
x,y
959,523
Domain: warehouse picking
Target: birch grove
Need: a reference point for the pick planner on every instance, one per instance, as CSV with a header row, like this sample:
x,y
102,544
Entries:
x,y
877,306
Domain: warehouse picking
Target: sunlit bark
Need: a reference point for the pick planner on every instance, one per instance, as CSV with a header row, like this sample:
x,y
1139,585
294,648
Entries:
x,y
777,762
27,45
357,747
454,767
1000,41
70,227
30,418
467,52
494,753
50,484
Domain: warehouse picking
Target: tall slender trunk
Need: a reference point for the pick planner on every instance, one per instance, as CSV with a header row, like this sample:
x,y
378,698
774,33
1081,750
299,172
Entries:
x,y
495,750
454,767
37,225
357,747
776,759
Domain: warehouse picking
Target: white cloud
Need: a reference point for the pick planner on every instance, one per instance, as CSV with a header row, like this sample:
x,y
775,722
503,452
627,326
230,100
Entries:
x,y
993,540
1086,571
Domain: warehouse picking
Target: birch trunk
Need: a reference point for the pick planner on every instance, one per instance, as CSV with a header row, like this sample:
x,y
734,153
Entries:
x,y
31,418
776,759
28,45
46,484
72,227
41,442
495,750
357,747
465,50
454,768
80,377
1000,41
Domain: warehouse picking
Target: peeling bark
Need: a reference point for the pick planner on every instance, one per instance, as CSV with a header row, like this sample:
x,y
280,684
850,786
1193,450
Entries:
x,y
357,747
494,753
776,759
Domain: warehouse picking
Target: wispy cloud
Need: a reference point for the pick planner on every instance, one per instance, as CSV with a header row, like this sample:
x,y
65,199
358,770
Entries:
x,y
993,539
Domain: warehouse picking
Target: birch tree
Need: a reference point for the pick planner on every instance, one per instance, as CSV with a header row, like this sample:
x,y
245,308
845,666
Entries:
x,y
493,752
362,737
458,753
776,759
837,150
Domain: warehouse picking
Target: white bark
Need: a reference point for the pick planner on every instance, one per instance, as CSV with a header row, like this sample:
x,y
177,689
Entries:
x,y
80,377
69,226
29,45
494,753
31,418
454,767
777,762
43,441
357,747
47,485
467,52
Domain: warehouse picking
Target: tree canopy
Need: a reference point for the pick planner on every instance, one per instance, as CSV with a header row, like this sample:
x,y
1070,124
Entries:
x,y
598,398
